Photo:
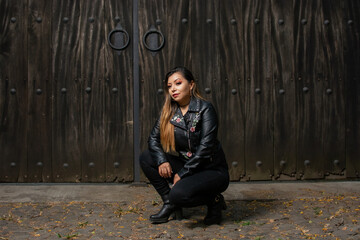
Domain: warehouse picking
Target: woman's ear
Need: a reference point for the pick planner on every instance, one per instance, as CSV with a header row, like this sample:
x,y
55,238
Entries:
x,y
191,84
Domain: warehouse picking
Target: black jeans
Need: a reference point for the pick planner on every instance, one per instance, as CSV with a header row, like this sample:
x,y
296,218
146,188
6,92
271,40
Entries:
x,y
197,189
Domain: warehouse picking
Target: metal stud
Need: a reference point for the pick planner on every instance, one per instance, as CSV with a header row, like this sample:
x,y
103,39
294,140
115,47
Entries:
x,y
281,21
282,163
158,21
328,91
65,165
305,89
233,21
91,164
39,164
88,89
207,90
303,21
116,164
257,91
39,19
13,91
257,21
114,90
326,22
233,91
38,91
282,91
258,163
65,20
117,19
91,19
336,162
12,164
350,22
184,20
160,91
209,20
13,19
234,164
63,90
307,162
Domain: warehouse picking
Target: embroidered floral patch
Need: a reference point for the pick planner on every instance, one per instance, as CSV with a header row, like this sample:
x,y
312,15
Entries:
x,y
177,118
186,155
195,122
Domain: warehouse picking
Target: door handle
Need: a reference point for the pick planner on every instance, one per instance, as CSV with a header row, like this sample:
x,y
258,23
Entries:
x,y
119,38
154,46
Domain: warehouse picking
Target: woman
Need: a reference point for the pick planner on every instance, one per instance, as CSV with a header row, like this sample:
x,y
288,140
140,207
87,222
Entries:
x,y
184,150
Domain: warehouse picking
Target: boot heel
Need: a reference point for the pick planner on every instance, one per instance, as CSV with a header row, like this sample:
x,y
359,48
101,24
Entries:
x,y
178,214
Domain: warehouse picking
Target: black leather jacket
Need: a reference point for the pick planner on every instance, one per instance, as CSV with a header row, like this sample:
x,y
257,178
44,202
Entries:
x,y
196,140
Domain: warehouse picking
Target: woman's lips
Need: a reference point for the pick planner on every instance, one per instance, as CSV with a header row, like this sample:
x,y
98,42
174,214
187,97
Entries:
x,y
175,95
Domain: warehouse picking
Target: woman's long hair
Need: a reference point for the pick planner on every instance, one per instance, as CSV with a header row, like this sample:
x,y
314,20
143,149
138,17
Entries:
x,y
167,137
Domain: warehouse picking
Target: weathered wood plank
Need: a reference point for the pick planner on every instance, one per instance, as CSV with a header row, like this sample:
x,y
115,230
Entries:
x,y
118,95
309,65
67,92
351,51
333,90
39,91
13,105
282,42
153,67
205,30
259,91
232,86
93,91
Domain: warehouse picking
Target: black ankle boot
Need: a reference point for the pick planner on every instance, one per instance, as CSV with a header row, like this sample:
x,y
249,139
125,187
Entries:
x,y
213,215
166,211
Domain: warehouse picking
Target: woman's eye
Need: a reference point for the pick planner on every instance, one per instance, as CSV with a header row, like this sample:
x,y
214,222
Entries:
x,y
169,86
178,83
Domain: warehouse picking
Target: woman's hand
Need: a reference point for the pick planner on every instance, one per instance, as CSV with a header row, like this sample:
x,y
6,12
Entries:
x,y
176,179
165,170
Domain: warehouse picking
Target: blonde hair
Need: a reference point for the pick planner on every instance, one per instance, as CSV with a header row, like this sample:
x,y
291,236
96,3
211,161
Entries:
x,y
167,137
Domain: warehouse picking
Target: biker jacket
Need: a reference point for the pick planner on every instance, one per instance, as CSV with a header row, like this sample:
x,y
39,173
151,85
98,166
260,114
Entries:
x,y
196,140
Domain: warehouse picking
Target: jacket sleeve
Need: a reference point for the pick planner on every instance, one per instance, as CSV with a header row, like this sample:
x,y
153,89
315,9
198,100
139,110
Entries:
x,y
155,148
207,145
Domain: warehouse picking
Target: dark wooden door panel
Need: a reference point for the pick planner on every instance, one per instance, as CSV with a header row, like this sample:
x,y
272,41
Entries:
x,y
232,85
67,91
39,165
282,75
259,91
351,52
118,118
284,18
13,91
333,89
309,70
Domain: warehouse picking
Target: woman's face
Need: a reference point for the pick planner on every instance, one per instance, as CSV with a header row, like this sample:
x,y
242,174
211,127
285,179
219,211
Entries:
x,y
179,88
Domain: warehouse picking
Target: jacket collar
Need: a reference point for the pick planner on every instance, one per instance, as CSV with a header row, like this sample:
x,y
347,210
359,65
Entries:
x,y
194,105
178,119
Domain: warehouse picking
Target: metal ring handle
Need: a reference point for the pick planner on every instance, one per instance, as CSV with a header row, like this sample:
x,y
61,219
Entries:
x,y
147,34
115,31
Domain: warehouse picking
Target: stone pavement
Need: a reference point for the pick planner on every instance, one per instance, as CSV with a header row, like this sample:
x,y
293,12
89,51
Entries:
x,y
260,210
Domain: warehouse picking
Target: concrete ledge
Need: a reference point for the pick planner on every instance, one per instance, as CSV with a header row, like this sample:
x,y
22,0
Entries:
x,y
126,192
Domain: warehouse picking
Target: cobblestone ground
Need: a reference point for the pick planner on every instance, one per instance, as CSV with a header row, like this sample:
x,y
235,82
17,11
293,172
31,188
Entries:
x,y
320,216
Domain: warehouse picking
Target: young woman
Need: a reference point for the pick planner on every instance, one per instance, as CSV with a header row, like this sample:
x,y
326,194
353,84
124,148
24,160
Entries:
x,y
184,150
